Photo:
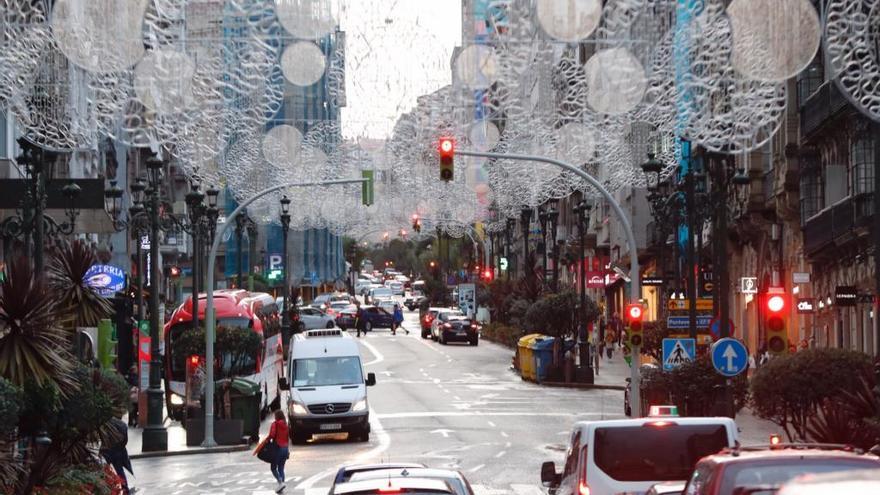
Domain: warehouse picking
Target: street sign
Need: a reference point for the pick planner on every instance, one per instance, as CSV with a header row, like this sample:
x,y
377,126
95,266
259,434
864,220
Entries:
x,y
677,351
703,304
652,281
729,357
715,328
502,264
800,277
276,262
748,285
846,295
684,321
806,305
106,280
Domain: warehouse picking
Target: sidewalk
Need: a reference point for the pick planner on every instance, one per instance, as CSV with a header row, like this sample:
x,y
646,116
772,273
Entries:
x,y
177,443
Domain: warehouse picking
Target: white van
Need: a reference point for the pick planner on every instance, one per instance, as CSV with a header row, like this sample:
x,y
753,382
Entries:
x,y
631,455
328,392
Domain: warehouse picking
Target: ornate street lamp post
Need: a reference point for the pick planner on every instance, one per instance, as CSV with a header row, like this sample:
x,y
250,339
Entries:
x,y
525,218
553,218
241,222
508,251
543,218
285,291
582,210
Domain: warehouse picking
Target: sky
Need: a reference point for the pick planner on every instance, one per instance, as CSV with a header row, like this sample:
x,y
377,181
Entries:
x,y
396,51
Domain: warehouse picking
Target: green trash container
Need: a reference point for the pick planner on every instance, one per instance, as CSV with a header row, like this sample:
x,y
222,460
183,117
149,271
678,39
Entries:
x,y
526,357
245,400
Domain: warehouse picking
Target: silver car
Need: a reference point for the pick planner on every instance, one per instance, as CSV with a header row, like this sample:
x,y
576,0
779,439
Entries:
x,y
313,318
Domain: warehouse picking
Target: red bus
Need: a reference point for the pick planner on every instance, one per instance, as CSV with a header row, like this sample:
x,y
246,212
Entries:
x,y
233,308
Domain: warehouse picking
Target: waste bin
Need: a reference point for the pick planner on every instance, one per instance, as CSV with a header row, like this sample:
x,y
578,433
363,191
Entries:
x,y
244,402
526,358
542,348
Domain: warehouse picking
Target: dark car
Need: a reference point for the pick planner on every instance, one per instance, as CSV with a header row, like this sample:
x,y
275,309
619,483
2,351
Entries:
x,y
413,301
374,317
453,326
762,470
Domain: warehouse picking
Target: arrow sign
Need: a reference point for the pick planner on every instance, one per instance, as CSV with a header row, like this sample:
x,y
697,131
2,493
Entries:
x,y
445,433
729,357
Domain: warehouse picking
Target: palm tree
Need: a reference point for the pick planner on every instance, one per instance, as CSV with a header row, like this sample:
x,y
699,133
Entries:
x,y
79,304
29,333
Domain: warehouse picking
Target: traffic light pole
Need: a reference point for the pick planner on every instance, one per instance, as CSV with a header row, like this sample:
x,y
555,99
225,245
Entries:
x,y
210,323
635,280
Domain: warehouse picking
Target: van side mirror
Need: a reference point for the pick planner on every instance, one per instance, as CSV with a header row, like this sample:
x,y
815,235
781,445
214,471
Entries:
x,y
371,379
549,477
282,383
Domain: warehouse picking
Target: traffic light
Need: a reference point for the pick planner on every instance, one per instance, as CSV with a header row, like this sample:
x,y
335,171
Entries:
x,y
446,148
174,271
634,314
416,223
106,344
777,331
487,275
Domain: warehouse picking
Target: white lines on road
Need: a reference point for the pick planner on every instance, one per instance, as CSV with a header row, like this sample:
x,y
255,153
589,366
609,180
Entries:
x,y
507,445
456,397
432,414
500,454
504,434
378,355
476,468
492,424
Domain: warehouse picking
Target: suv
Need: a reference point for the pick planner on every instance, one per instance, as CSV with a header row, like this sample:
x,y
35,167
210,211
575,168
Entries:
x,y
631,455
761,470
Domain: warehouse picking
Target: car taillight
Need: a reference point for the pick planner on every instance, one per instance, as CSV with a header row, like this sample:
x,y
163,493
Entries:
x,y
474,326
583,489
447,325
660,424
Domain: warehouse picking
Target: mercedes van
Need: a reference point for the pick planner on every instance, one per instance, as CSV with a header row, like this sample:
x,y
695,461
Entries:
x,y
328,392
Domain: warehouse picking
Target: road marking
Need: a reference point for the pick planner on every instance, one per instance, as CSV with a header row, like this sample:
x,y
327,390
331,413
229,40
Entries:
x,y
378,355
430,414
500,454
492,424
456,397
507,445
503,434
526,489
476,468
445,433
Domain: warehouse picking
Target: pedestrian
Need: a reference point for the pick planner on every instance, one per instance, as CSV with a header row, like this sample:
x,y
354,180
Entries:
x,y
278,433
116,452
596,345
609,342
398,319
359,322
133,395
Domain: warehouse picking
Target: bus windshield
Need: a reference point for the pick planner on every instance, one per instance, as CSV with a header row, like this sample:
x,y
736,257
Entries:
x,y
311,372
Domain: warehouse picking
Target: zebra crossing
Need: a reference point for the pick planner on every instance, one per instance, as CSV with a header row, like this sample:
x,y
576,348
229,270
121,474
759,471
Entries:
x,y
239,485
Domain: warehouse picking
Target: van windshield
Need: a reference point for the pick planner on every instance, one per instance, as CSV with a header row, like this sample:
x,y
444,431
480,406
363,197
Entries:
x,y
655,453
315,372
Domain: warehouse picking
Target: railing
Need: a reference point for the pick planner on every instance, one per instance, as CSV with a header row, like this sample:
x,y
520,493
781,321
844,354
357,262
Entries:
x,y
820,107
837,222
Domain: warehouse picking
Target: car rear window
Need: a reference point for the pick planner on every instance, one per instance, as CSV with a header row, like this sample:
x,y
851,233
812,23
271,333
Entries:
x,y
775,472
655,453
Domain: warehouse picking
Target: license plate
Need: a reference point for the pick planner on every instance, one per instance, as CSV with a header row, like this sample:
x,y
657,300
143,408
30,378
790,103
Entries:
x,y
331,426
461,332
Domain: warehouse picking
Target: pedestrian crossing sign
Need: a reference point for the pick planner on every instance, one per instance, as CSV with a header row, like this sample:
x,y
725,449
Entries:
x,y
677,351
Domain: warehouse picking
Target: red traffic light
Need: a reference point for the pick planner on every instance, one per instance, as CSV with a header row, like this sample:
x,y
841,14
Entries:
x,y
634,312
446,147
775,303
174,271
415,217
487,274
194,360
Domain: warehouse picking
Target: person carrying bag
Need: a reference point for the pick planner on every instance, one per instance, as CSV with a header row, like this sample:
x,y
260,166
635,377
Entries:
x,y
274,449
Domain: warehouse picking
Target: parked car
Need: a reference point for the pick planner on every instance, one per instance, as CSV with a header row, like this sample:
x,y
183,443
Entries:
x,y
631,455
864,482
455,479
764,469
427,319
455,326
312,318
344,473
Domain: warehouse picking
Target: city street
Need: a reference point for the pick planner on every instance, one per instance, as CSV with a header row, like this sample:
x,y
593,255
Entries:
x,y
454,406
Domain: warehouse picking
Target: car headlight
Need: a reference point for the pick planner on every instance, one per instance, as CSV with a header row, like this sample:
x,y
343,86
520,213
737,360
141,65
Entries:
x,y
299,409
360,405
176,400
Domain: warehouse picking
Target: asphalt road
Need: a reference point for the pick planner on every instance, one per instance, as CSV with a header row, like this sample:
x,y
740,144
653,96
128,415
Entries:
x,y
454,406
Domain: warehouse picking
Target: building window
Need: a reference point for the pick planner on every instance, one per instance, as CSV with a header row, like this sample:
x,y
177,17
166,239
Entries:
x,y
861,165
810,79
812,189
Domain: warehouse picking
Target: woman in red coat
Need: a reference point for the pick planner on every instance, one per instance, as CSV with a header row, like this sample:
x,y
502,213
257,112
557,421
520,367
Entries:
x,y
278,432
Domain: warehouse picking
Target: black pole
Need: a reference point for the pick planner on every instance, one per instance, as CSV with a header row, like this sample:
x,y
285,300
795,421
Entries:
x,y
39,225
722,288
239,231
876,303
691,255
140,277
252,253
155,437
196,273
285,291
554,226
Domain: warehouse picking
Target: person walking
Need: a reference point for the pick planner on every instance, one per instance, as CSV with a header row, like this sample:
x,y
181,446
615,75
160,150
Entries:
x,y
278,433
116,453
610,337
359,321
398,320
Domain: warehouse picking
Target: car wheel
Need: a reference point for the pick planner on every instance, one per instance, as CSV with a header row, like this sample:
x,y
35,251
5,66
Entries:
x,y
442,339
330,324
475,342
368,327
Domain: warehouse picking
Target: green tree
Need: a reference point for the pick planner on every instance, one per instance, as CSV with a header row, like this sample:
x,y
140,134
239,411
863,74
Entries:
x,y
789,389
234,347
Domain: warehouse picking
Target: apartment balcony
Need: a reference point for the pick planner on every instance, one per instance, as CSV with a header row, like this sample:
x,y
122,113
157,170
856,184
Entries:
x,y
838,225
826,103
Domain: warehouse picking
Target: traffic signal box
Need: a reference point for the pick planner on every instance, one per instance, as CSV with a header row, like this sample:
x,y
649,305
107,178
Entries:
x,y
416,223
446,147
106,344
634,315
777,323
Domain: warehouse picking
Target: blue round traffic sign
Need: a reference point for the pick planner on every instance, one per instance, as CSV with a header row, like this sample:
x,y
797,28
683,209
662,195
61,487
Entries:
x,y
729,357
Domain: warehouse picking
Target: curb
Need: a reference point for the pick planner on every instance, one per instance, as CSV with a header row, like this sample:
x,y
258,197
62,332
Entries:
x,y
583,386
208,450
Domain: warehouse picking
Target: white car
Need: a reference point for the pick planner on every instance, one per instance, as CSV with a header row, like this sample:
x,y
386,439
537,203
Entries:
x,y
362,286
311,318
631,455
387,304
379,293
